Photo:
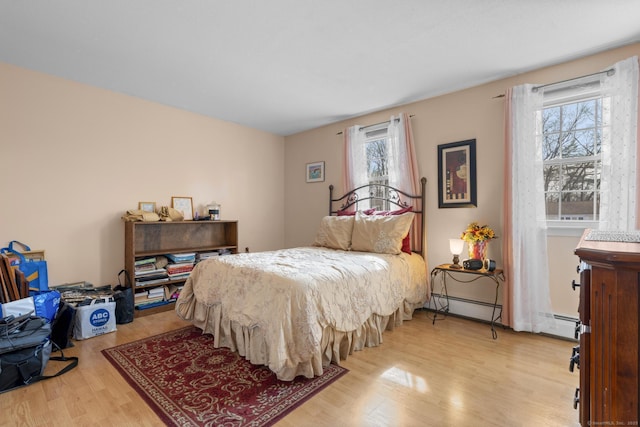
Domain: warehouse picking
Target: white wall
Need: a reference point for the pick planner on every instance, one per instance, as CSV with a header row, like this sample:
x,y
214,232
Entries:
x,y
74,158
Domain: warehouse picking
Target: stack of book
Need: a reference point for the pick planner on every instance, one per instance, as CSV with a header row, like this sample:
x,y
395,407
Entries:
x,y
147,273
151,298
201,256
180,265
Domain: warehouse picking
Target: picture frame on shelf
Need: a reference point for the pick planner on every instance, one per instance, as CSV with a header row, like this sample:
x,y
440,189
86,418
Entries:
x,y
147,206
315,172
457,184
184,205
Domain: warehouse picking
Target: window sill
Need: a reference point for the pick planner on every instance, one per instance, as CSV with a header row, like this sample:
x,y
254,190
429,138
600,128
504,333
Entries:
x,y
563,229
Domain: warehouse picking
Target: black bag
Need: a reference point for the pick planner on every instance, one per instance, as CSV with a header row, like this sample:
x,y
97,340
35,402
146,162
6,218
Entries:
x,y
123,296
62,325
25,350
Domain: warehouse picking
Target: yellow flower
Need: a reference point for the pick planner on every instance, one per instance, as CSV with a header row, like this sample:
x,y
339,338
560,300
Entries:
x,y
477,233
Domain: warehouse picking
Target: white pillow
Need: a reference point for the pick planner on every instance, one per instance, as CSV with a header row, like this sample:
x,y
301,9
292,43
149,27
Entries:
x,y
335,232
380,234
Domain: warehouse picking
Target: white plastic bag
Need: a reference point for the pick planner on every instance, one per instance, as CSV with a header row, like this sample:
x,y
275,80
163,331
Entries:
x,y
95,319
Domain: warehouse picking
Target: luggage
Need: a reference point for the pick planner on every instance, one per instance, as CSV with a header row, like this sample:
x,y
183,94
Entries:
x,y
25,350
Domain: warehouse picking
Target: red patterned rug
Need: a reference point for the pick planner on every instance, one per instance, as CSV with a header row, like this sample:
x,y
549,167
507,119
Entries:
x,y
188,382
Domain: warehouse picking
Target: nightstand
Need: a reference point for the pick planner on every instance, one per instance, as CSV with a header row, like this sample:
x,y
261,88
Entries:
x,y
461,275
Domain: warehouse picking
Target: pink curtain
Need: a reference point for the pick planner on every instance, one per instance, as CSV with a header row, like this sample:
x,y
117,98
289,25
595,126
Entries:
x,y
413,178
507,229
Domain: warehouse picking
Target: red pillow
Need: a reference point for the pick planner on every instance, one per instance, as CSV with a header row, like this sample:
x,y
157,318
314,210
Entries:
x,y
406,242
366,212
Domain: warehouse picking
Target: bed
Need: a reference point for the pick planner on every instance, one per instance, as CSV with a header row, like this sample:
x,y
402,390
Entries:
x,y
297,310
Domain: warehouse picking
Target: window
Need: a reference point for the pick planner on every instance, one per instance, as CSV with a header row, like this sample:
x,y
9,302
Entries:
x,y
376,145
572,132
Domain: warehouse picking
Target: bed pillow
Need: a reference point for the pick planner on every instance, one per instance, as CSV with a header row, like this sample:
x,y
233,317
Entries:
x,y
335,232
406,242
380,233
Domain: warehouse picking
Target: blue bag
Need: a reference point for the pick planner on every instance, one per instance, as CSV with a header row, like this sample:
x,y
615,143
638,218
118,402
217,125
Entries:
x,y
46,304
35,271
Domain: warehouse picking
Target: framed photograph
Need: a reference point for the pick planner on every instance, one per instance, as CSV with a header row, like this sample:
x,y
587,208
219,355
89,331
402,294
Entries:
x,y
315,172
457,174
147,206
184,205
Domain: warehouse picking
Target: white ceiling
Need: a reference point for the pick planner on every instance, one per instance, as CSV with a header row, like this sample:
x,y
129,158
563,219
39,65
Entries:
x,y
285,66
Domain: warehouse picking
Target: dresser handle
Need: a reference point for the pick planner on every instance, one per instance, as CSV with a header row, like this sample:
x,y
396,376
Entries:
x,y
576,399
574,285
575,358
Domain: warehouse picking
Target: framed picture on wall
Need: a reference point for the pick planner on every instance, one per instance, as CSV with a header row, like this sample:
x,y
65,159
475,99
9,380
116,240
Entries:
x,y
184,205
315,172
457,174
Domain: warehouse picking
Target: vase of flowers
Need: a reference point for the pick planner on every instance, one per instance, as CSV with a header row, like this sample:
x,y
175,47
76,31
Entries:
x,y
477,238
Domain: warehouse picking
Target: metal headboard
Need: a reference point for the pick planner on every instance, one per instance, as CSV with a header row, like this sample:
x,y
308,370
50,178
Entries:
x,y
392,196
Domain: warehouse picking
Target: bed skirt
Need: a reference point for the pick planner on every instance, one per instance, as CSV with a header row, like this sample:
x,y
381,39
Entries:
x,y
251,344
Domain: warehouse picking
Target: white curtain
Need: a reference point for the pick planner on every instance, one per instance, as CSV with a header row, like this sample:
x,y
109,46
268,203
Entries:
x,y
619,148
526,260
355,169
402,163
403,168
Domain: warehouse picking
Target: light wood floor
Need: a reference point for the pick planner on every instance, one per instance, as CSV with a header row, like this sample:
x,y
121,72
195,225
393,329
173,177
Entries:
x,y
450,374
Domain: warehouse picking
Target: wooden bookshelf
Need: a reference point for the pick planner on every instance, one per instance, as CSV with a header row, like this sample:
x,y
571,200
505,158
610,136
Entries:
x,y
148,239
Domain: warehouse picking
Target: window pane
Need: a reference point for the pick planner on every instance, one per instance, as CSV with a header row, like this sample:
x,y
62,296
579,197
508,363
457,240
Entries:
x,y
551,120
577,206
569,117
551,146
377,158
578,176
598,135
586,117
553,206
579,144
551,178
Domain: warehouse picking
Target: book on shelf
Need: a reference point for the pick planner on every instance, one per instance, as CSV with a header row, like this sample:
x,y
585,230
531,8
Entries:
x,y
152,282
152,305
144,267
155,292
201,256
186,257
144,261
184,267
152,276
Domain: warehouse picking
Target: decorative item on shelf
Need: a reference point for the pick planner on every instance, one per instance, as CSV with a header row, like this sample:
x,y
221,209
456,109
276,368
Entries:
x,y
214,211
477,238
184,205
456,246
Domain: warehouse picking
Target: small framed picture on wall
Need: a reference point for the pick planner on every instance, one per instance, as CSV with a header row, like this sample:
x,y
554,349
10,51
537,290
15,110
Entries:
x,y
315,172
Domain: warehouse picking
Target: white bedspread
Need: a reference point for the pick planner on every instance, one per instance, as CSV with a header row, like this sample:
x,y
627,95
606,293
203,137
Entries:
x,y
296,310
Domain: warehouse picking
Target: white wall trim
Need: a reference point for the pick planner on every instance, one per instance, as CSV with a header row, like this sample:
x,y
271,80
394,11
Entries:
x,y
479,310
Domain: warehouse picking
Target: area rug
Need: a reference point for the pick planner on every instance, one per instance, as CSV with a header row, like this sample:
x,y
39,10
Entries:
x,y
188,382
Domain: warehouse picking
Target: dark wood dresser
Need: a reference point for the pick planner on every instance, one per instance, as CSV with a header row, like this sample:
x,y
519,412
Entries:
x,y
609,349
